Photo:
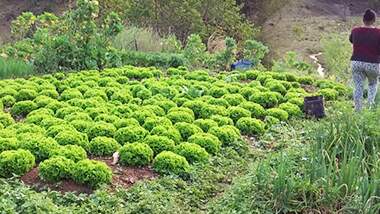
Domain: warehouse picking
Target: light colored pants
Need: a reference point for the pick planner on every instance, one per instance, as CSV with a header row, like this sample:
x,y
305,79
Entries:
x,y
360,72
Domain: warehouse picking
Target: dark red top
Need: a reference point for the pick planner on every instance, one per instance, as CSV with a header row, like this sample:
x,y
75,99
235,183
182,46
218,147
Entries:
x,y
366,44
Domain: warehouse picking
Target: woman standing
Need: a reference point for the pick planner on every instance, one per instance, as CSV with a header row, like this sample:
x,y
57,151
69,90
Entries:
x,y
365,59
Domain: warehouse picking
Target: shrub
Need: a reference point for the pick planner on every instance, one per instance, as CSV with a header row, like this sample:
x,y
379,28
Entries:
x,y
15,162
56,169
208,110
265,99
103,146
221,120
23,108
25,94
217,92
278,113
170,163
205,124
250,126
8,100
55,129
276,86
226,134
180,116
207,141
270,121
82,125
192,152
72,138
72,152
146,59
306,80
159,143
8,144
152,122
256,110
168,131
101,129
63,112
234,99
135,154
91,172
69,94
78,116
50,93
236,113
130,134
187,129
40,146
292,109
6,119
329,94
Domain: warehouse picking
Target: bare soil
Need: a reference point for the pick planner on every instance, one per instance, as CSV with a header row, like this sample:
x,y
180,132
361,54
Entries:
x,y
123,177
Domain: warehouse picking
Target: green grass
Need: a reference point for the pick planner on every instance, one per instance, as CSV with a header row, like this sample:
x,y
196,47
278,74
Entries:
x,y
11,68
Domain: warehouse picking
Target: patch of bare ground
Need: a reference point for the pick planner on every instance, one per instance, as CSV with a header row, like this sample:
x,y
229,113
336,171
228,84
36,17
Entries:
x,y
123,177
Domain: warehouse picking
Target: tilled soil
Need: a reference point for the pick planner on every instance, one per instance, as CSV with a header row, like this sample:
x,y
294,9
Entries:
x,y
123,177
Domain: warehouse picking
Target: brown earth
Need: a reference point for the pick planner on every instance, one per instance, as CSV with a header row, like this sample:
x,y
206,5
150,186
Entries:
x,y
123,177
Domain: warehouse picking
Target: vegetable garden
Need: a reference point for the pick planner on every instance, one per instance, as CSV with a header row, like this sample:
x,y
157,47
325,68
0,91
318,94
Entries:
x,y
166,120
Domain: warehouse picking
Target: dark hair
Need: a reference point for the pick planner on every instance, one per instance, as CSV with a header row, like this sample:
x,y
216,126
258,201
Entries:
x,y
369,17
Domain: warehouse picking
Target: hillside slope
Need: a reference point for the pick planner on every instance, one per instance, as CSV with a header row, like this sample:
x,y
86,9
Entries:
x,y
300,24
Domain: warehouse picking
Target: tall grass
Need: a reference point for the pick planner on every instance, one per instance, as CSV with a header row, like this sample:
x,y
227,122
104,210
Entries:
x,y
337,172
11,68
145,40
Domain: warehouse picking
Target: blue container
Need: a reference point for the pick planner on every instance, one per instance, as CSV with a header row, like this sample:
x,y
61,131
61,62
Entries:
x,y
242,65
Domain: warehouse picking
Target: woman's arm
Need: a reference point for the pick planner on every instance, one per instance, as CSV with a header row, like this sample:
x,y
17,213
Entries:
x,y
351,37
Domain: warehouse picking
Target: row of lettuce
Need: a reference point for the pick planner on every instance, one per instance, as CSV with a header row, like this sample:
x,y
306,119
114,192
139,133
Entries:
x,y
168,119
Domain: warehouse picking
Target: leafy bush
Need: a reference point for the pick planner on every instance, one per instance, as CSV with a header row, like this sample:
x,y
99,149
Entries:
x,y
292,109
306,80
25,94
226,134
265,99
167,131
152,122
16,162
142,59
40,146
103,146
159,143
6,119
221,120
256,110
101,129
192,152
207,141
82,125
23,108
92,173
56,169
278,113
217,91
205,124
250,126
10,68
297,101
8,144
329,94
122,123
276,86
70,94
136,154
130,134
170,163
234,99
236,113
72,138
72,152
8,100
187,129
180,116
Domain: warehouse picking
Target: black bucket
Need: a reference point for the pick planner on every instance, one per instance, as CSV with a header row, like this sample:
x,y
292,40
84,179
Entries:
x,y
314,107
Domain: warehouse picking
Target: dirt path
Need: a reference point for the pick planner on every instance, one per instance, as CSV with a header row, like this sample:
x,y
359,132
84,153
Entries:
x,y
300,25
320,68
